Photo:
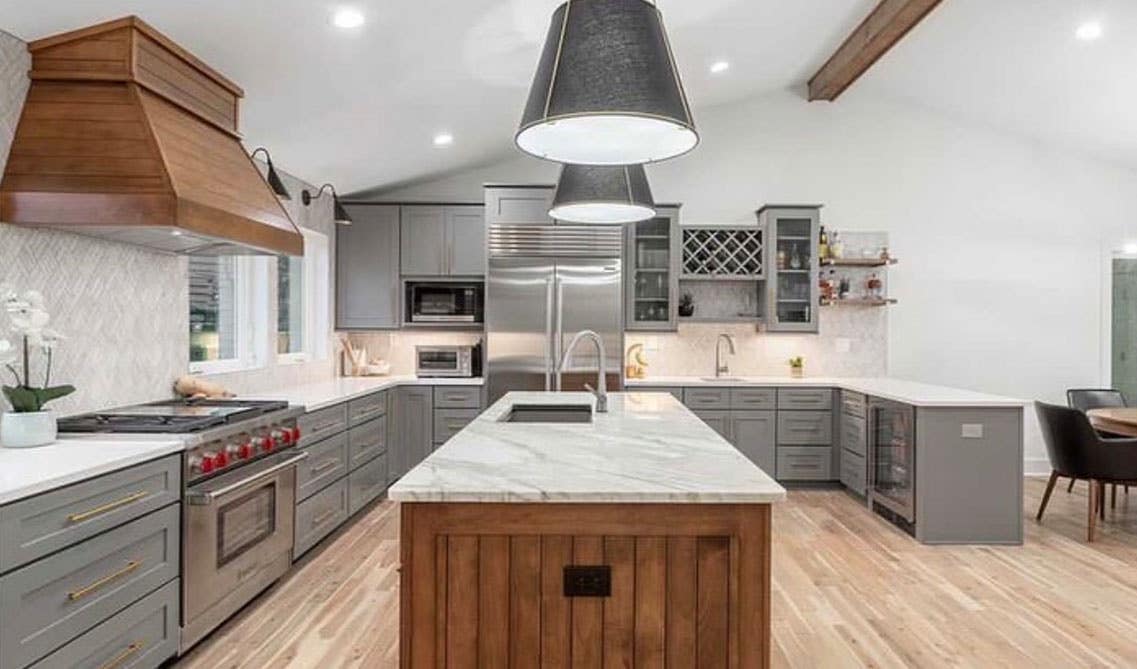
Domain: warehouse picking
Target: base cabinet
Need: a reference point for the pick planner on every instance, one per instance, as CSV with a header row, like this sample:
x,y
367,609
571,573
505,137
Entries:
x,y
754,433
319,515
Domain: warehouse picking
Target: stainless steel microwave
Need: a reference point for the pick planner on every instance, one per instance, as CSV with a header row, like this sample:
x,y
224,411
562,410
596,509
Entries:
x,y
448,361
444,303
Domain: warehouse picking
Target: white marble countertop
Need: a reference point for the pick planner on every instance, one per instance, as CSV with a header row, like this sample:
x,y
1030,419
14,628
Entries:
x,y
909,392
314,396
29,471
648,448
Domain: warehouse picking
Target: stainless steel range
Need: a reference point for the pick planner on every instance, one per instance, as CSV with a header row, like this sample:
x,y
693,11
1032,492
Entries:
x,y
239,492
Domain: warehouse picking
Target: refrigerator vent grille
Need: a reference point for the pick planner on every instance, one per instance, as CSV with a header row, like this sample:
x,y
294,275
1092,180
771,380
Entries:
x,y
589,241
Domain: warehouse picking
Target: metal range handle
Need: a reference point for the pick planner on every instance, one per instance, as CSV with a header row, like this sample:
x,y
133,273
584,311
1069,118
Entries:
x,y
117,660
110,506
548,333
88,589
557,353
205,497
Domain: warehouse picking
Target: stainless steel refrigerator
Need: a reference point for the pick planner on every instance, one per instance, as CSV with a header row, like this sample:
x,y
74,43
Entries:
x,y
545,283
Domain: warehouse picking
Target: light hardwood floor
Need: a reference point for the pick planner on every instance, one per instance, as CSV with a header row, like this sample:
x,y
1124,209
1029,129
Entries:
x,y
848,591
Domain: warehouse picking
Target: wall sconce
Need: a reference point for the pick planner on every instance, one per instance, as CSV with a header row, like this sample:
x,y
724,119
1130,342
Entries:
x,y
339,212
274,181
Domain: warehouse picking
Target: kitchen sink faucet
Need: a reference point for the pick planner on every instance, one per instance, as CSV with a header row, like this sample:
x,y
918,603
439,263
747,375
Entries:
x,y
721,367
601,390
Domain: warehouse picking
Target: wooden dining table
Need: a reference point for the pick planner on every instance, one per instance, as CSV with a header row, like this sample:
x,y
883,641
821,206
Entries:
x,y
1115,420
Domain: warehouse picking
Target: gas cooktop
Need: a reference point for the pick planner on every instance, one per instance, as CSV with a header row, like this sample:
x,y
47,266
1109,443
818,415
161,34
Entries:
x,y
171,416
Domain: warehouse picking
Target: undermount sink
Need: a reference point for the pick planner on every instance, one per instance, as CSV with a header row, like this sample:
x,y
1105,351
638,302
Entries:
x,y
549,413
722,378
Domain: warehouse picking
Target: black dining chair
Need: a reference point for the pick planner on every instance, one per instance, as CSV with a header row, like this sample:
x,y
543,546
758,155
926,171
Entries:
x,y
1078,451
1084,399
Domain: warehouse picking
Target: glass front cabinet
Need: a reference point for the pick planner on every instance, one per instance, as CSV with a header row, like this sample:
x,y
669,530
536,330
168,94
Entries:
x,y
652,276
792,266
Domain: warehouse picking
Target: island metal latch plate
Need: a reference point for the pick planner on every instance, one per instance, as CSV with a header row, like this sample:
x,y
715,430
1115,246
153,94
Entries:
x,y
588,581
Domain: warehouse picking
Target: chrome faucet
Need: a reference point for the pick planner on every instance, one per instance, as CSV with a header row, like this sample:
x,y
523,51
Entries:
x,y
601,390
721,367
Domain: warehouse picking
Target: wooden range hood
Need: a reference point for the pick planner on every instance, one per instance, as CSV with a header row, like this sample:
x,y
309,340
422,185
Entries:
x,y
126,136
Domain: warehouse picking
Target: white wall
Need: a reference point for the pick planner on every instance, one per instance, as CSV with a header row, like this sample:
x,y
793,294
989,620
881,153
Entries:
x,y
999,238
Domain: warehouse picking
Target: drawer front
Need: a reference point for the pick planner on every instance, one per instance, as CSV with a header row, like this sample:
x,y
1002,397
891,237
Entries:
x,y
675,391
366,441
853,472
718,420
707,398
366,483
755,399
854,404
143,635
319,515
853,435
366,408
63,595
813,428
804,463
448,422
37,526
805,398
319,425
327,461
457,397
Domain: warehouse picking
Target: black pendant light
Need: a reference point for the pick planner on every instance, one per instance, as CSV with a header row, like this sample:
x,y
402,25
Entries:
x,y
607,91
602,194
273,179
338,212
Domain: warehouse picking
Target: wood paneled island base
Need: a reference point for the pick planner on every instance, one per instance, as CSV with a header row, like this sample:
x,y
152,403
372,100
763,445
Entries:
x,y
483,585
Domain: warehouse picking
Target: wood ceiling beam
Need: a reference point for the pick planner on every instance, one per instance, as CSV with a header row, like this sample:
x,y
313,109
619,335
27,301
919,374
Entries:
x,y
886,25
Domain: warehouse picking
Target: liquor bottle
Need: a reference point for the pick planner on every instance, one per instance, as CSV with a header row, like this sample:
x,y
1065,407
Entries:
x,y
823,245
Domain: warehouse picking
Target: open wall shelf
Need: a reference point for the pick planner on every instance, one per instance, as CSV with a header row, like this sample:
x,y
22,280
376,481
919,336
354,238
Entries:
x,y
857,262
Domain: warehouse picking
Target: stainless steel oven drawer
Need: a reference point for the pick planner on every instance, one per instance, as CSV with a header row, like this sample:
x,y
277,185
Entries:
x,y
366,408
143,635
853,435
37,526
319,515
707,398
805,398
366,441
804,463
62,596
457,397
449,422
327,461
812,428
322,423
854,404
853,472
366,483
755,399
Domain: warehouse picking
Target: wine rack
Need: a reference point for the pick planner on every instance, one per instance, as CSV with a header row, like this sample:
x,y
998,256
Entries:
x,y
723,253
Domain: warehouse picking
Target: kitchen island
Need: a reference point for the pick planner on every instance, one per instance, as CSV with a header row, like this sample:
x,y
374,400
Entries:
x,y
638,537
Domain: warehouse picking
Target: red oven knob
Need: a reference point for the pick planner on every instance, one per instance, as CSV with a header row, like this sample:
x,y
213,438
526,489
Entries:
x,y
221,460
286,436
206,463
245,451
296,435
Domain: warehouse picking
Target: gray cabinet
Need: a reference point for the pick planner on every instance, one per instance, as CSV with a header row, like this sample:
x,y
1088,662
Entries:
x,y
792,294
513,205
367,269
319,515
366,483
366,442
466,240
410,423
719,421
853,437
754,433
442,240
652,276
326,462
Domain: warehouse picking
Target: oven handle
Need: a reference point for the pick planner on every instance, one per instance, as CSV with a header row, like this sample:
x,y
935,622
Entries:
x,y
206,497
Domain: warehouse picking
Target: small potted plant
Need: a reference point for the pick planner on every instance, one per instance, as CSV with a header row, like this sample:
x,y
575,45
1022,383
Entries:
x,y
797,367
686,306
28,423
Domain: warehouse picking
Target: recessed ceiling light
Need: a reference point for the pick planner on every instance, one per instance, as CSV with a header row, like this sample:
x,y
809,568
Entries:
x,y
347,17
1088,31
443,139
718,67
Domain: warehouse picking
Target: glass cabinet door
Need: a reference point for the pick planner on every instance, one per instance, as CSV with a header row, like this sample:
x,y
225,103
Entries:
x,y
792,267
652,276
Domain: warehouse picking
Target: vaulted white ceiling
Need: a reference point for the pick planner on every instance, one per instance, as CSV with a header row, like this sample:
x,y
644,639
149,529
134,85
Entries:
x,y
360,107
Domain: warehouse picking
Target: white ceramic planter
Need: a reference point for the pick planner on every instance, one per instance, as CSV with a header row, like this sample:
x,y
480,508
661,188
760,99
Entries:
x,y
27,430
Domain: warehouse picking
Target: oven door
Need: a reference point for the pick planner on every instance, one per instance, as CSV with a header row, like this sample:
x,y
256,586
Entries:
x,y
446,362
892,457
237,539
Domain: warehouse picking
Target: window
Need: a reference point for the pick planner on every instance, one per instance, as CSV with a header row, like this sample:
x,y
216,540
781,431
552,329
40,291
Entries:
x,y
302,301
226,312
290,305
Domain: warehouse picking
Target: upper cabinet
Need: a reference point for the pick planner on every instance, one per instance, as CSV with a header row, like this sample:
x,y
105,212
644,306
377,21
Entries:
x,y
518,205
367,268
652,275
442,240
792,294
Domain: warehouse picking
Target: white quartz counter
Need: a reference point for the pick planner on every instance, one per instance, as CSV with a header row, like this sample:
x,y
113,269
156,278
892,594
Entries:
x,y
648,448
314,396
29,471
908,392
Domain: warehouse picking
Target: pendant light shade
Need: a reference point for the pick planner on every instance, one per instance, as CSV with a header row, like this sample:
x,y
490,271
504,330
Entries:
x,y
273,179
339,214
602,194
607,91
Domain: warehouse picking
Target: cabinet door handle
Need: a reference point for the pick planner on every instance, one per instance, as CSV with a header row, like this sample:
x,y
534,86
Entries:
x,y
86,590
117,660
325,466
109,506
324,517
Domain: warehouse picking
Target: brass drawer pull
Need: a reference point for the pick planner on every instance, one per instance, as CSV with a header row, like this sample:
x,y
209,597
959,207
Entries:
x,y
324,517
325,466
109,506
83,592
117,660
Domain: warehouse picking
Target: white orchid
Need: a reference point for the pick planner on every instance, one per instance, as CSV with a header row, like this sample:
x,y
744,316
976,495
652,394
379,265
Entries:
x,y
8,353
48,338
28,318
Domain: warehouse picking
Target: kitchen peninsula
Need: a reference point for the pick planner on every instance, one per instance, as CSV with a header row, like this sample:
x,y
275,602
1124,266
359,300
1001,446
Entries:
x,y
638,534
